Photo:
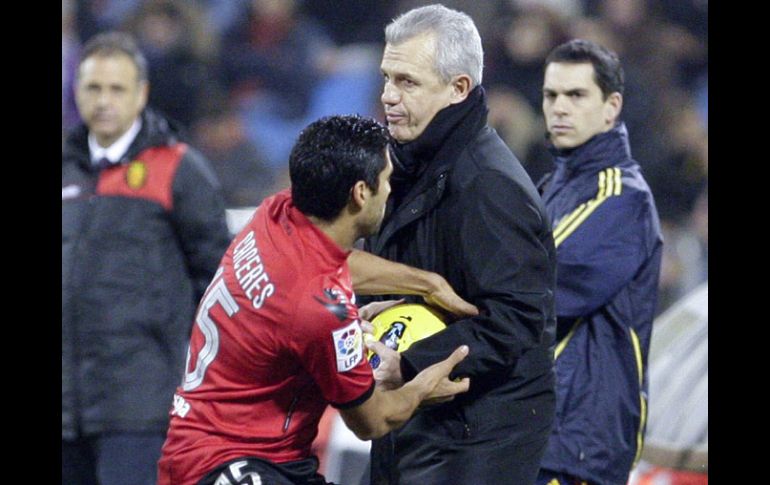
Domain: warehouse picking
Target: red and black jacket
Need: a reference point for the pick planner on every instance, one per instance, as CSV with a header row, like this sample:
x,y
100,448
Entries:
x,y
140,242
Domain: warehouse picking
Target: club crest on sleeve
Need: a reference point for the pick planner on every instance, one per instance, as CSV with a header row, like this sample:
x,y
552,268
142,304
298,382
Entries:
x,y
348,346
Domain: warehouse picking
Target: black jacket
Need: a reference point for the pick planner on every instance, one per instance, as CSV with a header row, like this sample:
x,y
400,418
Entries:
x,y
140,242
464,207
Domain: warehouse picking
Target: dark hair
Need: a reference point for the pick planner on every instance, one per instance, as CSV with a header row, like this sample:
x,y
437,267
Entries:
x,y
111,43
330,156
608,73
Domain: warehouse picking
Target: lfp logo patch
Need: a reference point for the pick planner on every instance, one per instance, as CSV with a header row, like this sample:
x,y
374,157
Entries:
x,y
348,346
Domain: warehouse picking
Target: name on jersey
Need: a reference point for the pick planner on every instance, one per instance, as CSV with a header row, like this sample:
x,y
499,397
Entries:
x,y
250,271
348,345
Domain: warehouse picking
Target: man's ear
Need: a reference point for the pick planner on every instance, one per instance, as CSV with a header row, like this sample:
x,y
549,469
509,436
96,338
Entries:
x,y
144,94
461,87
359,195
612,107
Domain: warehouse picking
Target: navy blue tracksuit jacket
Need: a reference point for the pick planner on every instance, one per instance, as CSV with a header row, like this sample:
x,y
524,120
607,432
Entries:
x,y
608,246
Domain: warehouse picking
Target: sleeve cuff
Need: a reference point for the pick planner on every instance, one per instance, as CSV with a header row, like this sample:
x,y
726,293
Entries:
x,y
357,401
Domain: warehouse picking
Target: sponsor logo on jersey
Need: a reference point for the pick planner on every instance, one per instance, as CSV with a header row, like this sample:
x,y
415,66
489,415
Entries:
x,y
348,346
335,302
136,175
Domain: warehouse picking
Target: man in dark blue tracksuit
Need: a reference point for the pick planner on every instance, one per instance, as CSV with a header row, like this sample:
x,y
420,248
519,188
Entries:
x,y
608,245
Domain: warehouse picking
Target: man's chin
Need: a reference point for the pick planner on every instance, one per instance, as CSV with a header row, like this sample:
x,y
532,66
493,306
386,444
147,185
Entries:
x,y
400,134
371,230
103,130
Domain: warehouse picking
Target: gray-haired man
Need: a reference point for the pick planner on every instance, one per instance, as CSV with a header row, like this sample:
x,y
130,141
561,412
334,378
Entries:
x,y
463,206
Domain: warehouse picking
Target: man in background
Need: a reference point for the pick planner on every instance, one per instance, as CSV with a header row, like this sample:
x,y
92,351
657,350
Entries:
x,y
608,247
143,228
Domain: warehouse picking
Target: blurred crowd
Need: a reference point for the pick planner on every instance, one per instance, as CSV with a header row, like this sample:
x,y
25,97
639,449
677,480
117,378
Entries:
x,y
244,76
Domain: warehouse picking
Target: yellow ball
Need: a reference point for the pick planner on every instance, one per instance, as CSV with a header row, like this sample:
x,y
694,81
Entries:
x,y
400,326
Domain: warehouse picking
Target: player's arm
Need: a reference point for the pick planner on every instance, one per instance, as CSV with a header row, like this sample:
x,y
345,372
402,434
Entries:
x,y
505,259
386,410
373,275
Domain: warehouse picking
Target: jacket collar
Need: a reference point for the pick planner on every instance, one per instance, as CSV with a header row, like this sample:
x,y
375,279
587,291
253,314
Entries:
x,y
115,151
155,130
600,151
421,181
418,162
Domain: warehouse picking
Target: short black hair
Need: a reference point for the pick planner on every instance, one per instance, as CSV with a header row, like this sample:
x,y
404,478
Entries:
x,y
608,73
330,156
112,43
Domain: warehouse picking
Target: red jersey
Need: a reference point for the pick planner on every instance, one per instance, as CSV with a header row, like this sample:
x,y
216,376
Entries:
x,y
276,339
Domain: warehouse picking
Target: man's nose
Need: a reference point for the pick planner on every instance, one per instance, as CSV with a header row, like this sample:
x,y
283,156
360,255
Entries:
x,y
560,105
103,98
390,95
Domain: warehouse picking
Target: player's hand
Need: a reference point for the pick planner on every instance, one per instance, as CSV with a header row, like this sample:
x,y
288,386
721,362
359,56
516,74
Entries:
x,y
371,310
388,372
436,378
444,297
367,312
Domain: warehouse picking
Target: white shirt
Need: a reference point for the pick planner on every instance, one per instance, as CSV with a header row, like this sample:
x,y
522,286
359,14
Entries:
x,y
115,151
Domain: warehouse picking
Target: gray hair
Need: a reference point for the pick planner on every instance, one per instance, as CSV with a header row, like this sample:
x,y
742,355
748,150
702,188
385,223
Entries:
x,y
113,43
458,43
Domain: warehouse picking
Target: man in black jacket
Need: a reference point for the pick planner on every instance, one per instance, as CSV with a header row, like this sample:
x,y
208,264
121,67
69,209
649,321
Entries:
x,y
143,229
463,207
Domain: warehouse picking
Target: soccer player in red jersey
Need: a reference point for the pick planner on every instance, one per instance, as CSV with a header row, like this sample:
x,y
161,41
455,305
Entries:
x,y
277,336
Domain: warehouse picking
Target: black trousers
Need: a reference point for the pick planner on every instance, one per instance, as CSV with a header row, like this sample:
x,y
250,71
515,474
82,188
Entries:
x,y
458,446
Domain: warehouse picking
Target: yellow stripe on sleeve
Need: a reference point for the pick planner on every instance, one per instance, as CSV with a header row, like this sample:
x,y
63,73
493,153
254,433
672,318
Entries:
x,y
609,184
560,348
567,220
642,400
577,212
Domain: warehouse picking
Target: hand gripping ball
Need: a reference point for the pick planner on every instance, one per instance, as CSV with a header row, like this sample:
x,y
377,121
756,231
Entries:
x,y
400,326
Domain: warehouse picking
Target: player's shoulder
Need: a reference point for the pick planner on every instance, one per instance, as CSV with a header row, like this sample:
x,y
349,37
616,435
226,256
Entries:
x,y
330,299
